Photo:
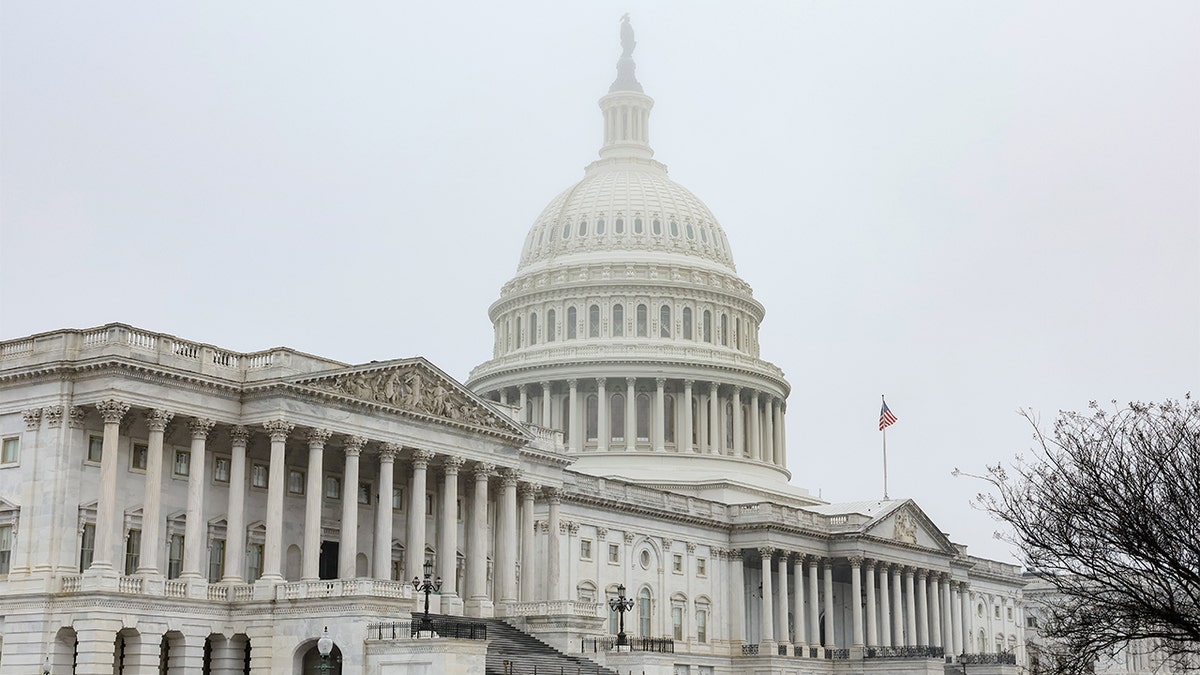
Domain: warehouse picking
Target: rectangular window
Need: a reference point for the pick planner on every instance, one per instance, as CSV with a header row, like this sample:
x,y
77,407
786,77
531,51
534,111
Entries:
x,y
677,622
429,507
585,549
1010,614
216,561
220,469
137,458
295,482
677,563
364,493
997,609
702,625
133,551
95,448
457,509
614,553
175,556
333,487
701,567
11,451
254,560
87,546
258,476
183,462
1031,622
398,499
6,542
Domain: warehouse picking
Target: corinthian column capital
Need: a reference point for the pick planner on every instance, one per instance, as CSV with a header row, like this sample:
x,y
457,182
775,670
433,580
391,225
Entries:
x,y
510,477
112,410
388,452
278,429
317,437
239,435
483,471
354,446
452,464
421,459
201,426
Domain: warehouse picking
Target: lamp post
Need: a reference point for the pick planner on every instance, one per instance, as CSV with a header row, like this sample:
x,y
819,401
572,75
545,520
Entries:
x,y
325,647
427,585
620,605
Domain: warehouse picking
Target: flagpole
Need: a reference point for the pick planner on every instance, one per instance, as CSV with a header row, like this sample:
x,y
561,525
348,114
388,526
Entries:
x,y
884,430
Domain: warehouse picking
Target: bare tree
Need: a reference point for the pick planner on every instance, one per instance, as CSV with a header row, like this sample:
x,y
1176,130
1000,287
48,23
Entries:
x,y
1107,511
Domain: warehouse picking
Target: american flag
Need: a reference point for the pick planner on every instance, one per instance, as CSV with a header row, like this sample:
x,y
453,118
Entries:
x,y
886,418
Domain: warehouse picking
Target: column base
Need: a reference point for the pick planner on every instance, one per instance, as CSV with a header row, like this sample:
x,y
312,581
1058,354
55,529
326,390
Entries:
x,y
100,578
480,607
264,588
451,604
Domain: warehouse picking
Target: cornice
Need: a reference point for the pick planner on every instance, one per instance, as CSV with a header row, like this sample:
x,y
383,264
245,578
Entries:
x,y
647,289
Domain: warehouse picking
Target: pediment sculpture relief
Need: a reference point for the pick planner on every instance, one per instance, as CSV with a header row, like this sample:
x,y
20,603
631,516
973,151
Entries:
x,y
412,389
905,528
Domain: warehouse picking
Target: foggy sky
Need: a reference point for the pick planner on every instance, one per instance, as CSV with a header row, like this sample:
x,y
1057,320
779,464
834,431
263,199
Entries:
x,y
970,207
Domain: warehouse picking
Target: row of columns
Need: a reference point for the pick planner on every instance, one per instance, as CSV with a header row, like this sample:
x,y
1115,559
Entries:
x,y
758,433
904,606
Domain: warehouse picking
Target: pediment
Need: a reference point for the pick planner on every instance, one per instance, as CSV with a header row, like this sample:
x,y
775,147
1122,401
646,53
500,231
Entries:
x,y
415,386
908,525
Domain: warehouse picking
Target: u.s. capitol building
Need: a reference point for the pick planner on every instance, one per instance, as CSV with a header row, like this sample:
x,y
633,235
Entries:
x,y
168,506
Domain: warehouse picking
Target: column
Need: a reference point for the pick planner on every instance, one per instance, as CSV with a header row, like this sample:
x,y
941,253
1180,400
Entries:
x,y
348,546
235,523
935,609
947,615
313,496
478,542
768,434
381,568
738,435
827,570
546,405
885,607
781,632
685,442
107,518
910,609
872,612
715,442
448,529
767,620
737,590
506,538
575,443
660,443
195,536
94,653
898,632
523,402
922,610
700,424
273,539
801,634
755,438
157,421
856,614
529,571
814,607
965,597
781,428
603,423
553,559
414,547
630,415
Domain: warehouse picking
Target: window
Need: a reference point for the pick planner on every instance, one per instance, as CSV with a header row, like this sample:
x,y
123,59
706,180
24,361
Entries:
x,y
133,550
1010,614
737,332
566,230
618,320
138,457
585,549
656,227
221,469
11,451
533,328
429,506
691,233
585,592
333,487
997,611
216,561
398,498
701,625
594,321
644,559
664,321
599,226
643,417
458,509
183,462
518,335
669,418
616,417
724,330
95,448
614,554
642,321
644,612
637,226
175,556
619,226
571,320
87,546
591,419
254,559
364,494
677,617
582,227
1031,622
674,228
677,563
258,476
701,567
687,323
551,324
295,482
707,326
6,542
703,234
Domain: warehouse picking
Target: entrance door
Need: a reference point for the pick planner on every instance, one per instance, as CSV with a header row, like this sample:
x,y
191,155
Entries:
x,y
327,568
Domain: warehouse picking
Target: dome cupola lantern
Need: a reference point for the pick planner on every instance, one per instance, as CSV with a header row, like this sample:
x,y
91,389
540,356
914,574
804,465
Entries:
x,y
626,107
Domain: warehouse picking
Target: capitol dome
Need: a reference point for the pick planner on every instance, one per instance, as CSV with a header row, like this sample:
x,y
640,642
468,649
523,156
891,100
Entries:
x,y
628,330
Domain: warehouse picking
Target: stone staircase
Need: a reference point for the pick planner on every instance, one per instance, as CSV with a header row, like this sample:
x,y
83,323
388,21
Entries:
x,y
513,652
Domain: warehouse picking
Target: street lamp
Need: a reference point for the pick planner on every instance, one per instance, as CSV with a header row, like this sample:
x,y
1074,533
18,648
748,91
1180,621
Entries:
x,y
427,586
325,646
620,605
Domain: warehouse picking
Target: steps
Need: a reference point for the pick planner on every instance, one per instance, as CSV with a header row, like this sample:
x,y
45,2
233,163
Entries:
x,y
525,654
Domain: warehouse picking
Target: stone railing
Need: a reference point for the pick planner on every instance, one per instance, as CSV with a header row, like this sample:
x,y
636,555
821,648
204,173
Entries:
x,y
71,583
553,608
904,652
340,588
1004,658
132,585
175,589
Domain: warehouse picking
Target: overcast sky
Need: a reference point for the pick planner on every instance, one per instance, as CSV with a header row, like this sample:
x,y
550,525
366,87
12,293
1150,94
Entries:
x,y
971,207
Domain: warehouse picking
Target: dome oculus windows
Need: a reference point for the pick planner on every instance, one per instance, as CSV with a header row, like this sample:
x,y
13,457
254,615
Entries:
x,y
582,227
566,230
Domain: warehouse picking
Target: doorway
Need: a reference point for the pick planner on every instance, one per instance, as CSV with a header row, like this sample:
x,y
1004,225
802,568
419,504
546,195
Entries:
x,y
327,567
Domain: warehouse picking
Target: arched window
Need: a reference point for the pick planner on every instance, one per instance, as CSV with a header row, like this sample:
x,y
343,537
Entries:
x,y
533,328
664,321
616,416
644,612
669,418
687,323
702,622
594,321
674,228
729,425
619,226
724,330
695,427
591,418
571,323
599,226
643,417
518,332
691,233
566,230
618,320
703,234
707,326
737,332
637,226
642,321
582,227
566,418
551,324
656,226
